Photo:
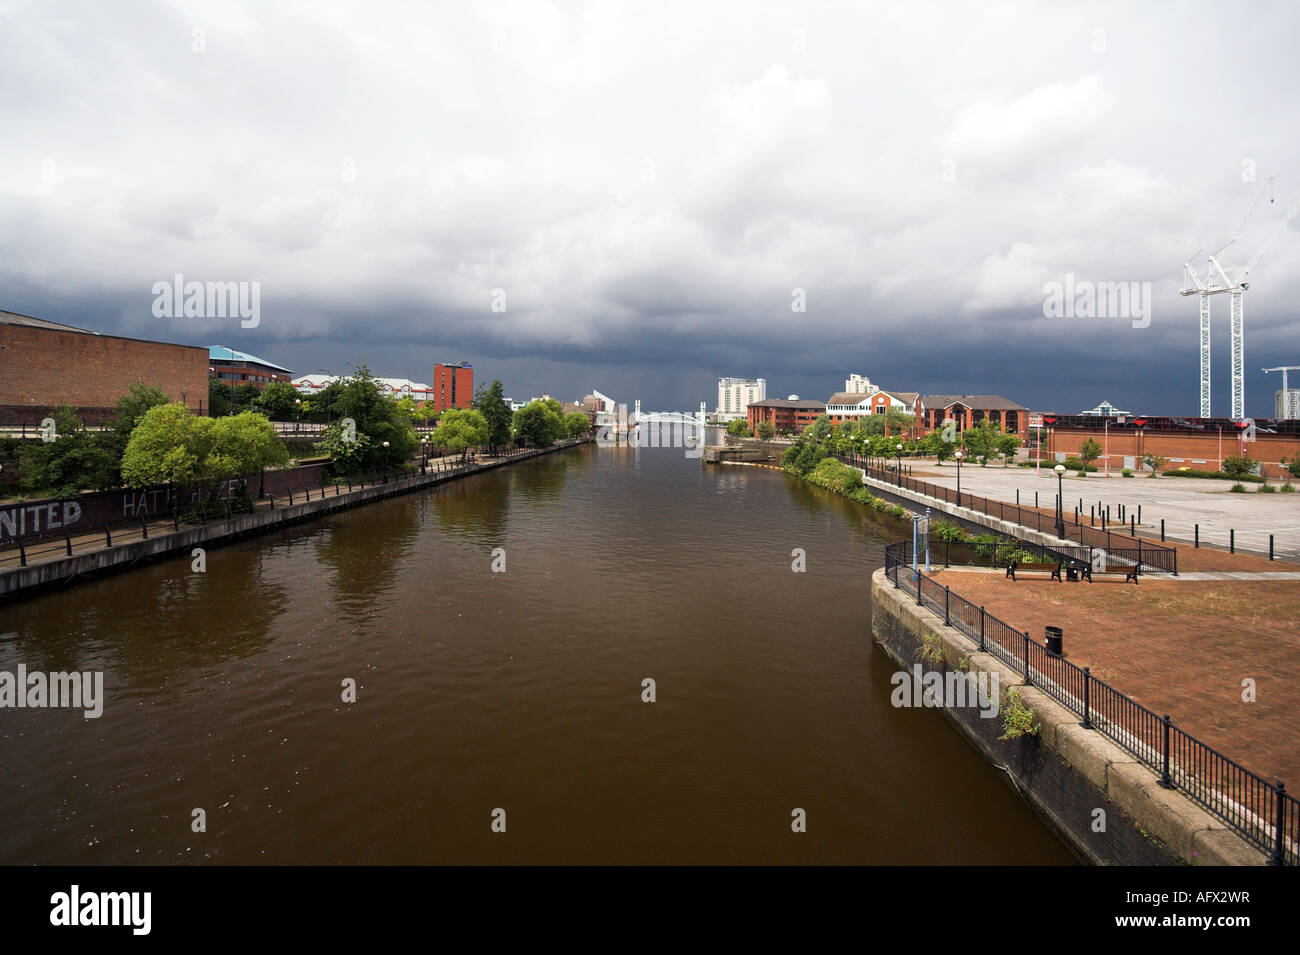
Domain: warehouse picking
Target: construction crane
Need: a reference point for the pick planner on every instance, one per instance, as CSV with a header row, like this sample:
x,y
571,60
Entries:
x,y
1216,282
1286,395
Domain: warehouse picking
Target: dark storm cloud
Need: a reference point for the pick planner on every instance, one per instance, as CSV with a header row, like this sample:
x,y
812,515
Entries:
x,y
649,185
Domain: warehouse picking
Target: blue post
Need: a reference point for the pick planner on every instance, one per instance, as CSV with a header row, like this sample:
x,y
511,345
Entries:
x,y
927,540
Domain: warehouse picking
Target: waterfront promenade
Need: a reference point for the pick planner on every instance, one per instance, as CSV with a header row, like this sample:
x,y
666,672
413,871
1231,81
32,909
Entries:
x,y
1182,503
60,558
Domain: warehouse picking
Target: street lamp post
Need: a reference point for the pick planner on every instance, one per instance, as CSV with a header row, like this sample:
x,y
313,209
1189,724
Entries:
x,y
1060,491
958,457
900,464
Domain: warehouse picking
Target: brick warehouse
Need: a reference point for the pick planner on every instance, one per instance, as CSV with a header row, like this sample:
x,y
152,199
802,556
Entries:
x,y
1197,443
44,364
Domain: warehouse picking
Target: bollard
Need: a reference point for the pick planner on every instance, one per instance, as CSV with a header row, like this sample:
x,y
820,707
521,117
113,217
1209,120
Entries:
x,y
1028,681
1087,704
981,628
1139,513
1035,499
1132,526
1162,530
1270,546
1196,538
1232,541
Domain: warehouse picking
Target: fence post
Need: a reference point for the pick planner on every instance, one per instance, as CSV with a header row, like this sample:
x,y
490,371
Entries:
x,y
22,552
176,519
144,528
1087,697
271,498
67,540
918,588
946,620
1028,681
1162,530
1132,526
1165,781
981,627
108,535
1232,540
1139,513
1270,546
947,543
1196,540
1279,827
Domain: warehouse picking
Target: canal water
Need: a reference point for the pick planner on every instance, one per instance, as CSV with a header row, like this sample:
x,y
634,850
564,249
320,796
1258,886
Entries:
x,y
518,691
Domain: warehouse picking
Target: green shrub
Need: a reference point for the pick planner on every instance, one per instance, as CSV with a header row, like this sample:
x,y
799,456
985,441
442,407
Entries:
x,y
1127,472
1238,489
1074,463
897,511
945,531
1266,488
1214,475
1017,719
1286,489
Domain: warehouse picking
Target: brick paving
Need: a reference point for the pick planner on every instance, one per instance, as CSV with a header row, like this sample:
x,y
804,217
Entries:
x,y
1180,647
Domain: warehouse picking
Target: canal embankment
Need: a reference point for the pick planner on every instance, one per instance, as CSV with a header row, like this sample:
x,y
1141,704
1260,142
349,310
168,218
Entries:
x,y
1103,801
217,531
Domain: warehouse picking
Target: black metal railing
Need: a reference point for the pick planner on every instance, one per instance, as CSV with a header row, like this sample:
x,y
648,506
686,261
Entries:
x,y
32,548
1261,812
1144,554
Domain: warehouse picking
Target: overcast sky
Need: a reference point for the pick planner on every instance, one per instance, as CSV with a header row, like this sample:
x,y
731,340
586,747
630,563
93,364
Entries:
x,y
649,185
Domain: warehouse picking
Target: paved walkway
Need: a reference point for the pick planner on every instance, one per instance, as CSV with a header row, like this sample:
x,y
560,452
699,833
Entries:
x,y
1183,503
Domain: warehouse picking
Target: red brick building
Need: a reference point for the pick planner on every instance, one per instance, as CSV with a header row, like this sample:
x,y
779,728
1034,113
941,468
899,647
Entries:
x,y
1200,444
44,364
453,385
240,368
848,406
968,410
786,415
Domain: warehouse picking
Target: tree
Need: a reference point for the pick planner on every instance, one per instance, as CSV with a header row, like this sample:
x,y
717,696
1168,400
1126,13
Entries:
x,y
820,428
739,428
218,398
934,443
167,447
131,409
1238,466
279,401
1089,451
538,423
459,430
171,445
979,439
1293,465
365,419
766,430
803,456
1154,462
74,461
1006,445
491,404
576,424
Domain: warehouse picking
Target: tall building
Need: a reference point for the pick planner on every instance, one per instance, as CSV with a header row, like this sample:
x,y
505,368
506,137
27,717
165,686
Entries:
x,y
857,385
1286,404
453,385
735,395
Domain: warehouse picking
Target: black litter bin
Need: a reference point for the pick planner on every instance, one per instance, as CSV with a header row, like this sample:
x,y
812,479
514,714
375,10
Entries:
x,y
1054,640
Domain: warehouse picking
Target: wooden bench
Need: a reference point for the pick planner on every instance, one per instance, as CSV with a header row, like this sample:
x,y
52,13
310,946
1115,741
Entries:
x,y
1025,565
1129,573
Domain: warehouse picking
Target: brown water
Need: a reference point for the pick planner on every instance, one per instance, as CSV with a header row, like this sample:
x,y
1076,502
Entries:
x,y
518,690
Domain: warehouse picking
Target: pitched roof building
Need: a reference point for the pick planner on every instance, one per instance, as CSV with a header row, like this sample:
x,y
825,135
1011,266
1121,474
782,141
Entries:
x,y
968,410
